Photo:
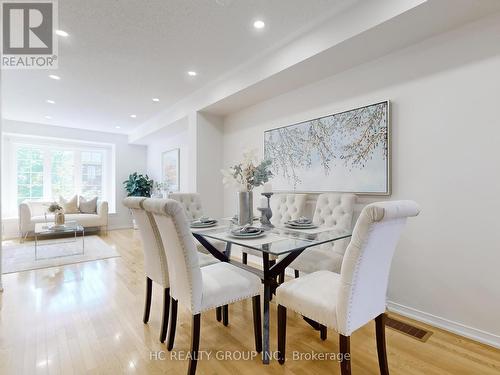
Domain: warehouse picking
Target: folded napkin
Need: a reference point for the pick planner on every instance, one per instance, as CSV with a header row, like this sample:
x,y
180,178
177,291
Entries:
x,y
248,229
302,220
203,220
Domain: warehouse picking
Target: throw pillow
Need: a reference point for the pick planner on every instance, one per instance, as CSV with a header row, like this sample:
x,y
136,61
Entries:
x,y
88,206
69,206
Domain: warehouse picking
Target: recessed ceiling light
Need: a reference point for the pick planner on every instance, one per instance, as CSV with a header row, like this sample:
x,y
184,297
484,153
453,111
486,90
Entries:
x,y
192,73
133,116
117,127
48,117
50,101
62,33
53,76
156,100
259,24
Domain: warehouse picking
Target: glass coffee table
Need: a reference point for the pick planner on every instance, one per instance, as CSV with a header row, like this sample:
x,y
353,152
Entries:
x,y
44,231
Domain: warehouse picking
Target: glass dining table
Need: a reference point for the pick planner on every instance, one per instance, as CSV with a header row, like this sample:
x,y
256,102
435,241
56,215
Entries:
x,y
279,246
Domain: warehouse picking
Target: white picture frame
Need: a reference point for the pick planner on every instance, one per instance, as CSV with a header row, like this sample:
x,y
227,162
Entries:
x,y
170,169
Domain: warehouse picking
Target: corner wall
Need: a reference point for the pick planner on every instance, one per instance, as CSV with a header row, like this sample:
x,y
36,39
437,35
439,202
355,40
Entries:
x,y
175,136
199,138
209,149
444,94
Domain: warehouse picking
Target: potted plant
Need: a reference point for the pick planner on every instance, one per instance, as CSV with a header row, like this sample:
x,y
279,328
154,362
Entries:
x,y
246,175
138,185
58,212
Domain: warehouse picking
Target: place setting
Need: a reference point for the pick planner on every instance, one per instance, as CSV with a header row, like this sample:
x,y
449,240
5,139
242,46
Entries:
x,y
300,223
247,232
203,222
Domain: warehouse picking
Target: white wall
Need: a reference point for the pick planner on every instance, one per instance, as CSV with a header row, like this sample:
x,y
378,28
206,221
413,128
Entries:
x,y
199,138
129,158
208,163
174,136
445,132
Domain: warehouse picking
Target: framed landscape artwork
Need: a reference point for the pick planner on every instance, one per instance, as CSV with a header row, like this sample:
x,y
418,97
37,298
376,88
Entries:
x,y
343,152
170,168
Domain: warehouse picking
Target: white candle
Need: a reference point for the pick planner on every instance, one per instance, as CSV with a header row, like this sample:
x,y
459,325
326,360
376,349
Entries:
x,y
268,188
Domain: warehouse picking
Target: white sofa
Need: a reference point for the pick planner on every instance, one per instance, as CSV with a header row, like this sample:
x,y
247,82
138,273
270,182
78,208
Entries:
x,y
32,212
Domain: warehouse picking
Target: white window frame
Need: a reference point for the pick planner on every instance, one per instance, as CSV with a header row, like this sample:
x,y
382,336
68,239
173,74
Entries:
x,y
12,142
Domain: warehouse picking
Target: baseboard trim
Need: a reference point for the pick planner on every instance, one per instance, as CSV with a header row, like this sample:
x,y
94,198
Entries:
x,y
448,325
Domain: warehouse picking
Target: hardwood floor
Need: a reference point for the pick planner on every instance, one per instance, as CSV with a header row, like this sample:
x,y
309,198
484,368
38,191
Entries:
x,y
87,319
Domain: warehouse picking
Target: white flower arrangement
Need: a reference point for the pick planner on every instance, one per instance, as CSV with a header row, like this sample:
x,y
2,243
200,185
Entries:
x,y
247,174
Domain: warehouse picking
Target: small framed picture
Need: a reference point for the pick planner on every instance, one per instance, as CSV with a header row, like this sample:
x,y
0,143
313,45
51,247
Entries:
x,y
170,168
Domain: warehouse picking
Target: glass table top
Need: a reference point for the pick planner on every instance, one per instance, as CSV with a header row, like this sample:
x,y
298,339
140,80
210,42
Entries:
x,y
276,241
48,228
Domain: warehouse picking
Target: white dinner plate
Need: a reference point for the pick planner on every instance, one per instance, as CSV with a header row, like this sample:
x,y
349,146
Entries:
x,y
300,226
247,235
204,225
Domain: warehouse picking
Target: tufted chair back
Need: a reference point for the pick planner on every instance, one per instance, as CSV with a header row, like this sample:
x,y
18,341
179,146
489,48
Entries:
x,y
287,207
367,262
155,261
182,257
191,203
335,210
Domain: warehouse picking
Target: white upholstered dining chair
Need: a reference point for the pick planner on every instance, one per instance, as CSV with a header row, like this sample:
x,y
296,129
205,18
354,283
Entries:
x,y
155,261
285,207
347,301
191,203
198,289
194,210
333,211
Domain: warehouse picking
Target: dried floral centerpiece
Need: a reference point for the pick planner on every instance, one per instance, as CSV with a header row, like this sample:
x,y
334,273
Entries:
x,y
58,212
161,189
245,176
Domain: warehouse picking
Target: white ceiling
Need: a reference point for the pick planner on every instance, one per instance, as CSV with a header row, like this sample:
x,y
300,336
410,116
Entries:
x,y
120,54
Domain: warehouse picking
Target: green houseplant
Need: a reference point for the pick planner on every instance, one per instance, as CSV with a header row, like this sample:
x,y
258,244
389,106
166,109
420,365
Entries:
x,y
138,185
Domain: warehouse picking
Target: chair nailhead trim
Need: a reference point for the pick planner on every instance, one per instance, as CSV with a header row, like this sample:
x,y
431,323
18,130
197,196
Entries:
x,y
211,307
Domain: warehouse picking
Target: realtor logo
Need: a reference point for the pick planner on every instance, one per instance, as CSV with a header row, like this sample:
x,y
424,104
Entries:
x,y
28,34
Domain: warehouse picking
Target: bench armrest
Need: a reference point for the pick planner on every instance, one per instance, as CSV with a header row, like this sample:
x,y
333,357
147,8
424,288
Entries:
x,y
24,217
102,210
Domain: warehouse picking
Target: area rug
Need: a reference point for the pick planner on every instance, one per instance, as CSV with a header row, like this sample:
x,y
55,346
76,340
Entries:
x,y
53,252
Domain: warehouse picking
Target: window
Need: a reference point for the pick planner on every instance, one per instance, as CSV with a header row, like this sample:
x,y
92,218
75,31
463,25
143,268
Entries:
x,y
45,169
29,173
62,173
91,174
